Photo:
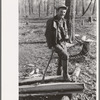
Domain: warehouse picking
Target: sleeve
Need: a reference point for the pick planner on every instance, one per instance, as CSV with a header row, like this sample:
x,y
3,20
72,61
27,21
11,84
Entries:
x,y
48,34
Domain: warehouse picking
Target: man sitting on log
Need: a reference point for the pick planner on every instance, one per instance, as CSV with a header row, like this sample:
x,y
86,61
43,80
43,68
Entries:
x,y
57,36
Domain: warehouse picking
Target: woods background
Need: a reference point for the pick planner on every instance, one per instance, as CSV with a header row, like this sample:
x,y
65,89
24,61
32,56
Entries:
x,y
34,53
46,8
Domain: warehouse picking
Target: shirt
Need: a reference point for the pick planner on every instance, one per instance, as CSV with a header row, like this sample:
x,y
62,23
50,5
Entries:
x,y
61,30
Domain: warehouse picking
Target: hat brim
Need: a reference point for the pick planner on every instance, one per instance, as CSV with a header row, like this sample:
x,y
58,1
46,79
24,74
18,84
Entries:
x,y
64,7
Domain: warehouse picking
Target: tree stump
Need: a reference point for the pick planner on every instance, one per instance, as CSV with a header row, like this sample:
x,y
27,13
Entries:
x,y
82,22
90,20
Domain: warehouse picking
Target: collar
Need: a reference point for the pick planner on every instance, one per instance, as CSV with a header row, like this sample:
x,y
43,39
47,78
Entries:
x,y
56,20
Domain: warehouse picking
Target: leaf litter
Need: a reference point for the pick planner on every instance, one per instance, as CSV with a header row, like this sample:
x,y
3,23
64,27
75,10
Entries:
x,y
39,54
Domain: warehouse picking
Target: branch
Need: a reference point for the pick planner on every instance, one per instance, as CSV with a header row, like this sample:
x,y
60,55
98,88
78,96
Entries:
x,y
87,8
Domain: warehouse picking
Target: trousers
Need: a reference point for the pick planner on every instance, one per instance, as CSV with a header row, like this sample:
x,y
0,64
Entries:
x,y
61,50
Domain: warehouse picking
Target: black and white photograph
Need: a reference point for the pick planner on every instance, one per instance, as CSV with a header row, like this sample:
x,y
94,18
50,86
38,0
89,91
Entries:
x,y
57,50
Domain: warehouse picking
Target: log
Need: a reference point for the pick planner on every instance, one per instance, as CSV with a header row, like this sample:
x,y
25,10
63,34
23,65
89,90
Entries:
x,y
45,94
51,88
50,97
46,79
39,80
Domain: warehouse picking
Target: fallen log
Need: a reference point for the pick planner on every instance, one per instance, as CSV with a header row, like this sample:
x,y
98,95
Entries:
x,y
50,89
39,80
44,94
52,96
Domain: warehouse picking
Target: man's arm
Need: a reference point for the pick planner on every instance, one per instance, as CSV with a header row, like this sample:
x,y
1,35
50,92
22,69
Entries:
x,y
48,33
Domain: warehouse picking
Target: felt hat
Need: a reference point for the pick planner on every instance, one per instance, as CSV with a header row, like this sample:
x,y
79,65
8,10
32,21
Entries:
x,y
61,6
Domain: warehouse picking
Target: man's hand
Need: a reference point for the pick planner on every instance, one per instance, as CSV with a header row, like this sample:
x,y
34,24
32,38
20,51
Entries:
x,y
69,44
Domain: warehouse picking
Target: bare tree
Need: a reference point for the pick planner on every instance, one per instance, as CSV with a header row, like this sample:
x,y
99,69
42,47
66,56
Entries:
x,y
94,7
48,7
54,8
83,9
87,8
29,7
44,6
76,7
71,18
39,9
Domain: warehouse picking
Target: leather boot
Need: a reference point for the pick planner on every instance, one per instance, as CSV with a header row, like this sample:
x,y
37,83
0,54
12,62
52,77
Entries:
x,y
65,70
59,66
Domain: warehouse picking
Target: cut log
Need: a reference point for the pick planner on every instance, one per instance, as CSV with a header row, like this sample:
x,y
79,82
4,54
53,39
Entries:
x,y
39,80
45,94
49,97
51,88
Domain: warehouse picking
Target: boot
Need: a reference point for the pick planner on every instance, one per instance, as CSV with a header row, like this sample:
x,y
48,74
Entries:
x,y
59,66
65,71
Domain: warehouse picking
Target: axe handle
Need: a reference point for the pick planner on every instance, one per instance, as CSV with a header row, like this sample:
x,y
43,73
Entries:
x,y
47,66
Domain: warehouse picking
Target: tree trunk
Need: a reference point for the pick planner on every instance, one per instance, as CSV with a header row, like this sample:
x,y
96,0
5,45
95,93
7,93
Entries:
x,y
77,7
87,8
29,7
26,3
44,6
54,13
48,8
39,9
83,9
71,18
94,7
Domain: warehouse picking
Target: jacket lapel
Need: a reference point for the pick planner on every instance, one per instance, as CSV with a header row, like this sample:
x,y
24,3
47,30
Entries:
x,y
64,24
55,22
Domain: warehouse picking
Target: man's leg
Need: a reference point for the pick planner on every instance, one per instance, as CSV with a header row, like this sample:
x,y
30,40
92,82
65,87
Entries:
x,y
62,52
59,66
65,69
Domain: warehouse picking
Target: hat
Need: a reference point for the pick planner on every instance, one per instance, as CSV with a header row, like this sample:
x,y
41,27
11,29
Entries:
x,y
61,6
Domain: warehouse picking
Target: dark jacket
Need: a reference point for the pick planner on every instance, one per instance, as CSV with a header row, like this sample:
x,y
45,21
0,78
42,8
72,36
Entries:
x,y
52,31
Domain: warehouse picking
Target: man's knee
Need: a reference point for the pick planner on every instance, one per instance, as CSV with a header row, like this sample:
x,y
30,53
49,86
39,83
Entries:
x,y
65,56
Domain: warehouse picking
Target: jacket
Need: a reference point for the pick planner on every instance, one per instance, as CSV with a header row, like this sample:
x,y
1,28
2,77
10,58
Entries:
x,y
51,32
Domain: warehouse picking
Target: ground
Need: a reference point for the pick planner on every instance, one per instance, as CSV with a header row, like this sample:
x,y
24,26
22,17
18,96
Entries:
x,y
33,51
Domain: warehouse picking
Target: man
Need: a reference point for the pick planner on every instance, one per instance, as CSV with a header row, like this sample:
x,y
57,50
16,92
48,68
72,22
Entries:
x,y
57,36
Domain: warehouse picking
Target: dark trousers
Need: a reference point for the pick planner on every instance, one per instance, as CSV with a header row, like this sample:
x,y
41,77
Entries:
x,y
61,50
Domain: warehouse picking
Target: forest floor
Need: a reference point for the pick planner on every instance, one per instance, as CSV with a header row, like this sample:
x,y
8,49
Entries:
x,y
34,53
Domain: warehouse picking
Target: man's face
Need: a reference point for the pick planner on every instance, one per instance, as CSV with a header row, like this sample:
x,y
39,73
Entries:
x,y
61,12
